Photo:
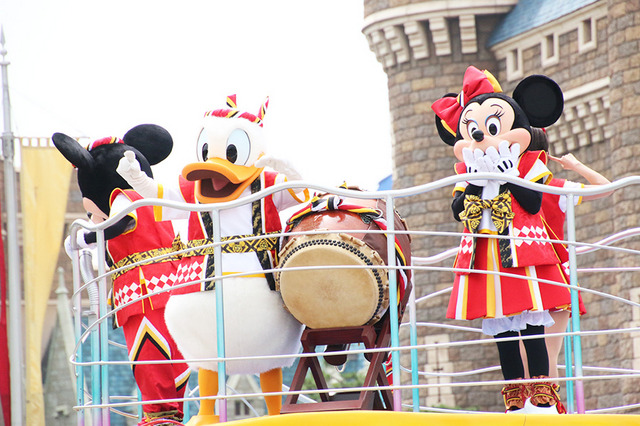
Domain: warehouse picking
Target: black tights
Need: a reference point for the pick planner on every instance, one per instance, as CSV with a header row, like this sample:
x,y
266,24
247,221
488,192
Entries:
x,y
537,357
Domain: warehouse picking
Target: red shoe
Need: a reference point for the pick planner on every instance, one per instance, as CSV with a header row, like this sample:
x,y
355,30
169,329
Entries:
x,y
545,395
514,397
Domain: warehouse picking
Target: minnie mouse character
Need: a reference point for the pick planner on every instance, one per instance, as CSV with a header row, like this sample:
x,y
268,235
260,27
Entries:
x,y
500,262
135,237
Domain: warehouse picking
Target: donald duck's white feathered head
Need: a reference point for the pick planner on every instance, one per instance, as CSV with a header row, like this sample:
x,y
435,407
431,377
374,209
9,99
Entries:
x,y
230,143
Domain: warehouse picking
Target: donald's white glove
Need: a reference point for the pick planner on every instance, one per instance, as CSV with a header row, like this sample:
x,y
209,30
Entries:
x,y
129,169
477,162
280,165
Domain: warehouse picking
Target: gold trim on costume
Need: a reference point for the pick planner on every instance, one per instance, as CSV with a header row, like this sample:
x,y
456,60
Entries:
x,y
501,212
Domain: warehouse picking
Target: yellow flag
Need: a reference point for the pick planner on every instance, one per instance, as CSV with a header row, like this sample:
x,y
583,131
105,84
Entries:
x,y
44,184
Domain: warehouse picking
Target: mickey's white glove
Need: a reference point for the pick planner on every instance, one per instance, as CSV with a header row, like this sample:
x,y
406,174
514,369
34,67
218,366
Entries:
x,y
129,169
80,243
477,162
505,160
280,165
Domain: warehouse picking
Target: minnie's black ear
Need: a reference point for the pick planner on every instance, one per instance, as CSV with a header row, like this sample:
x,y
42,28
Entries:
x,y
73,151
154,142
446,136
541,100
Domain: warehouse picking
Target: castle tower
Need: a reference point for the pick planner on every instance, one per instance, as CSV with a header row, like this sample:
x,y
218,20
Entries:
x,y
591,48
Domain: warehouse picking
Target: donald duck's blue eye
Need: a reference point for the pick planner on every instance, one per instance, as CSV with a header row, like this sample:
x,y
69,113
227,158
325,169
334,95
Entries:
x,y
238,147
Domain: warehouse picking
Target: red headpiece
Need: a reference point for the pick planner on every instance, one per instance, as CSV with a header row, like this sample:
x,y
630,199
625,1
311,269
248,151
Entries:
x,y
104,141
233,112
475,83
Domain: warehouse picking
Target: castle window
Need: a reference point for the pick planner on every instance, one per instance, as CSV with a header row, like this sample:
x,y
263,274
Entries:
x,y
549,50
549,39
514,64
586,35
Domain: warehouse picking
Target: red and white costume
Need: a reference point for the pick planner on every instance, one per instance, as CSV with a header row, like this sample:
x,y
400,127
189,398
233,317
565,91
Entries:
x,y
479,294
554,206
142,319
554,209
252,309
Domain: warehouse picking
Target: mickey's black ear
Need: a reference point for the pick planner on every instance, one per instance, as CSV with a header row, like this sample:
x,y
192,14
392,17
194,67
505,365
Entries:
x,y
446,136
541,99
73,151
154,142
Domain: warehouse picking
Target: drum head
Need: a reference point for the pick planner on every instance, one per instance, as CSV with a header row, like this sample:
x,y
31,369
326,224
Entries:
x,y
338,296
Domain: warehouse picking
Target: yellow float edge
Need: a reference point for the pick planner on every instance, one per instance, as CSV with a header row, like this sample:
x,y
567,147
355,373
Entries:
x,y
386,418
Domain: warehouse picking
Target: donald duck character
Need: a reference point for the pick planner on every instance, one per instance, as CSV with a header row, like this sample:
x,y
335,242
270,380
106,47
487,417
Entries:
x,y
231,160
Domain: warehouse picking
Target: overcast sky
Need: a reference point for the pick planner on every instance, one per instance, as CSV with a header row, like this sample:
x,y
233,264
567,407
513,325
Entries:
x,y
96,69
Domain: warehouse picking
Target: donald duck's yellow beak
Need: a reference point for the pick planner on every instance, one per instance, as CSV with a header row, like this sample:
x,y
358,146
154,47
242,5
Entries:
x,y
218,180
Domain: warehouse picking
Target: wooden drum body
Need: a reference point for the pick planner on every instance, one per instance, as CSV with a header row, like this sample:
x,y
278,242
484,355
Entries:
x,y
352,288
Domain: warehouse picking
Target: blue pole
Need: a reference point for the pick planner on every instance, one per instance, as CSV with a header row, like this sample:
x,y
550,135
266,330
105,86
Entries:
x,y
414,352
140,410
77,322
222,372
568,361
104,329
95,372
575,305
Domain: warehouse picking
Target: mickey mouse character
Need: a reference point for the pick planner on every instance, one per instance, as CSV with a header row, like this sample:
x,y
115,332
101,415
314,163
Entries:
x,y
491,132
135,237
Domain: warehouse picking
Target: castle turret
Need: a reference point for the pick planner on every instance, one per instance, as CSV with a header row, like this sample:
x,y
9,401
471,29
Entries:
x,y
591,48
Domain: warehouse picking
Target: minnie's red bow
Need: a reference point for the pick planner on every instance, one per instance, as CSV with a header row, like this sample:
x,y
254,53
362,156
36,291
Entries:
x,y
475,83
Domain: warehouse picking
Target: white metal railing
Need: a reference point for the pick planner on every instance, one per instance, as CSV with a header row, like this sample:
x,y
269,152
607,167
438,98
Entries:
x,y
97,402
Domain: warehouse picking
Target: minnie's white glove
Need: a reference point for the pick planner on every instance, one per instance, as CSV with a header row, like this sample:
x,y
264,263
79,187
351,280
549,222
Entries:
x,y
129,169
477,162
280,165
505,159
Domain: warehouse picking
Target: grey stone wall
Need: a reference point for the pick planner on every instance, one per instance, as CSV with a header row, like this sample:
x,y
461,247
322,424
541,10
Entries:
x,y
420,157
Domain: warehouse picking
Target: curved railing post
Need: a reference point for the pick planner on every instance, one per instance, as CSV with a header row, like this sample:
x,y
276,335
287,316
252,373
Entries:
x,y
103,327
217,258
393,303
568,356
575,305
413,340
77,326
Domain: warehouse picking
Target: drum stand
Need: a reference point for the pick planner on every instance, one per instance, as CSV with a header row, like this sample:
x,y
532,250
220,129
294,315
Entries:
x,y
373,337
